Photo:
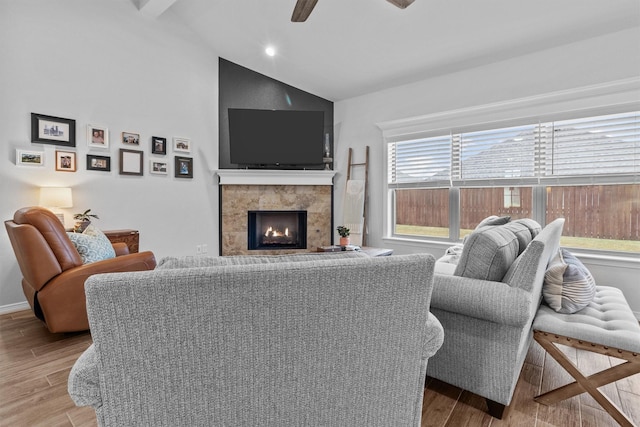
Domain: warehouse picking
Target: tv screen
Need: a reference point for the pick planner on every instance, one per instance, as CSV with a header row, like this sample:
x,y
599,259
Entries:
x,y
275,138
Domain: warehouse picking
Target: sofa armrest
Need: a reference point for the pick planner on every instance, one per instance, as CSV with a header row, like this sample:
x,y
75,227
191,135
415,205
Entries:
x,y
483,299
84,380
435,336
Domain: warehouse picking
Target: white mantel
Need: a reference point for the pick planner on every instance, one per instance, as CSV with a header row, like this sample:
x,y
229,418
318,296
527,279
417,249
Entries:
x,y
274,177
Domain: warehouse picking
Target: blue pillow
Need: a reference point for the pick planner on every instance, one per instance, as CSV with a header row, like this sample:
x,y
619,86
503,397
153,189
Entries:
x,y
92,245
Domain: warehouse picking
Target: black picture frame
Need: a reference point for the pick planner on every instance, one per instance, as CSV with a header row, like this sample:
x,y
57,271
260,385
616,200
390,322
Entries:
x,y
98,163
53,130
131,162
158,145
183,167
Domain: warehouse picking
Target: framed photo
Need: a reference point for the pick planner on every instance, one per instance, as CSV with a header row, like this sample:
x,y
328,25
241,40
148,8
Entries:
x,y
130,162
66,161
98,163
130,138
53,130
29,158
181,144
159,167
158,145
97,136
183,167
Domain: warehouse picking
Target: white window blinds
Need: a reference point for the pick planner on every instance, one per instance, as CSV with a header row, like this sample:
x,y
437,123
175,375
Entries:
x,y
522,155
596,145
420,161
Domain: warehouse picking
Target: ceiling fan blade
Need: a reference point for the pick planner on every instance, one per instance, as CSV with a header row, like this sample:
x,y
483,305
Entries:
x,y
402,4
302,10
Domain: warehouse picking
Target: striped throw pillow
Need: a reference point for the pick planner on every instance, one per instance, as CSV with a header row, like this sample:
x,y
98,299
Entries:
x,y
568,285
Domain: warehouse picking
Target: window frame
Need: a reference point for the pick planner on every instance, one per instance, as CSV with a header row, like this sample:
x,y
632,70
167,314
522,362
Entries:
x,y
508,114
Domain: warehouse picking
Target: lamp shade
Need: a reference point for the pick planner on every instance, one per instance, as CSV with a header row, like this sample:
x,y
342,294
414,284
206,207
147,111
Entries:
x,y
56,197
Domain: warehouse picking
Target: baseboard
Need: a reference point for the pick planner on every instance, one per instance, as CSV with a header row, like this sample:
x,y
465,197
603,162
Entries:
x,y
18,306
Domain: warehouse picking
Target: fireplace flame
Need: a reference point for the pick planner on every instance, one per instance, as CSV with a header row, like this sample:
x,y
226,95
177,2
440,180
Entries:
x,y
276,233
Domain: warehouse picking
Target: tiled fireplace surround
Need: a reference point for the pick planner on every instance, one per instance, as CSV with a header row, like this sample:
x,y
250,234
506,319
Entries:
x,y
245,190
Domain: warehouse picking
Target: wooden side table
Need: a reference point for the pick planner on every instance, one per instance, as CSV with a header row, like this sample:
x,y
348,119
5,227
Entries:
x,y
130,237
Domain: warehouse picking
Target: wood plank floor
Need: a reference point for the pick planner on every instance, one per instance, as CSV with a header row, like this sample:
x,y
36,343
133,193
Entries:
x,y
35,365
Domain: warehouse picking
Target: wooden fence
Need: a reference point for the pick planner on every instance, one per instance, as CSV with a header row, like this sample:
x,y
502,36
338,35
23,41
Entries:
x,y
594,211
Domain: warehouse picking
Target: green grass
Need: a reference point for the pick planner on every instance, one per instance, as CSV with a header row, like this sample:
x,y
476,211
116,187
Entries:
x,y
572,242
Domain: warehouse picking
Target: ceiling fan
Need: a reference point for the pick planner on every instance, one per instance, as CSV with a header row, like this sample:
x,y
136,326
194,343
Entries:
x,y
304,7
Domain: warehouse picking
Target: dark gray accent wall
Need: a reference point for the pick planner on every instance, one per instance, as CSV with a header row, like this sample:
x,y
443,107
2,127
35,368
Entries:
x,y
240,87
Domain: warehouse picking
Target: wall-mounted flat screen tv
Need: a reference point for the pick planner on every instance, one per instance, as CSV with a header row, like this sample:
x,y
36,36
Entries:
x,y
276,138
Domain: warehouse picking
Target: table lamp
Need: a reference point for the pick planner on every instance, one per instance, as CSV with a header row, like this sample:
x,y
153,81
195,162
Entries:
x,y
55,198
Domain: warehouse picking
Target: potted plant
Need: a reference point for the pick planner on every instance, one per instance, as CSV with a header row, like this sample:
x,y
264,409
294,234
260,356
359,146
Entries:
x,y
344,235
83,220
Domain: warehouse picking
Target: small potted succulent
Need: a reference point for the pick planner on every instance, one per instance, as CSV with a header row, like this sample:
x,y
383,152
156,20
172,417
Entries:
x,y
83,220
344,235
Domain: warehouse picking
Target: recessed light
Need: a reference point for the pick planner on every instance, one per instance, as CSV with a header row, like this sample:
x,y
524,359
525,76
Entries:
x,y
270,50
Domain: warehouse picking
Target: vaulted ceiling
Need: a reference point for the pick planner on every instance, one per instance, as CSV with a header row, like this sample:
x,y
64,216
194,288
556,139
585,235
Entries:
x,y
348,48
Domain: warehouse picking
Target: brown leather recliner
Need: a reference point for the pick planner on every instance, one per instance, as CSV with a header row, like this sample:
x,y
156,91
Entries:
x,y
52,269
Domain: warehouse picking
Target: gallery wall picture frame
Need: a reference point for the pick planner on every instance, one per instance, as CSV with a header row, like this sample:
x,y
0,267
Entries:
x,y
53,130
131,162
130,138
181,144
97,136
29,158
183,167
158,167
98,163
65,161
158,145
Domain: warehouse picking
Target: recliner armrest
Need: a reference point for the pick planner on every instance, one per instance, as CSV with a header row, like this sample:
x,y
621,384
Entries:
x,y
71,282
120,248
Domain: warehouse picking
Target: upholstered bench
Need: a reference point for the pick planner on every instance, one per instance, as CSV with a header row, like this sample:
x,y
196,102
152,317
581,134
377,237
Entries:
x,y
606,326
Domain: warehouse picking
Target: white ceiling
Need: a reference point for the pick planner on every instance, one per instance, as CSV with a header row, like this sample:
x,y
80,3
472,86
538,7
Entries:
x,y
351,47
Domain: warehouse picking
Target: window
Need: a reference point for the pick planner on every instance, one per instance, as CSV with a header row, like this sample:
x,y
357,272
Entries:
x,y
422,212
586,170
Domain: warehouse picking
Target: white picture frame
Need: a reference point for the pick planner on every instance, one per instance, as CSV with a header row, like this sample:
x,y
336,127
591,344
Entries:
x,y
29,158
182,145
97,136
158,166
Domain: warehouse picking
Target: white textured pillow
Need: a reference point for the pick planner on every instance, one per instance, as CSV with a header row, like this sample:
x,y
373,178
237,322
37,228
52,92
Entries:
x,y
568,285
92,245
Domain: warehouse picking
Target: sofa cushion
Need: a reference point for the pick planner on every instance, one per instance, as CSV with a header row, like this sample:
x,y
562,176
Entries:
x,y
568,284
522,233
533,226
488,253
92,245
494,220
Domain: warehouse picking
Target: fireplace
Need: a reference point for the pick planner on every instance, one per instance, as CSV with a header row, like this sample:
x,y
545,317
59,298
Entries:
x,y
277,230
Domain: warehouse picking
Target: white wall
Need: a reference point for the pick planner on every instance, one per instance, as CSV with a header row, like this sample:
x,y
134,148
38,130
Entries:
x,y
592,62
102,62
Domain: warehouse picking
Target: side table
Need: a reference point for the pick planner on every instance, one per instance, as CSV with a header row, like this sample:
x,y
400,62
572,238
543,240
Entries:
x,y
130,237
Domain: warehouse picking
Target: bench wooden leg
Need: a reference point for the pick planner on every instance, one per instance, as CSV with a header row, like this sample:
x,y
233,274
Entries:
x,y
589,384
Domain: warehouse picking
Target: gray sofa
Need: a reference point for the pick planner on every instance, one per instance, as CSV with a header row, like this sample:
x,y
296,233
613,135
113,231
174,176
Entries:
x,y
270,341
487,316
